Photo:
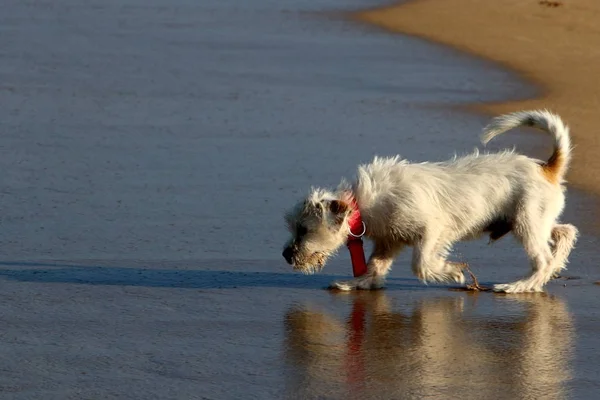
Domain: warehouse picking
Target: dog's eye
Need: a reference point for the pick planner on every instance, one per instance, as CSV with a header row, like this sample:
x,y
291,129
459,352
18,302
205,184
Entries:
x,y
301,230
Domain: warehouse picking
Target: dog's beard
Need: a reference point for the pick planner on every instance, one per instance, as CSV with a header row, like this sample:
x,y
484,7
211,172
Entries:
x,y
311,265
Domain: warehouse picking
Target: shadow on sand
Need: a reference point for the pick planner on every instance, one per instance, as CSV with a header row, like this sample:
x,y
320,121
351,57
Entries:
x,y
176,278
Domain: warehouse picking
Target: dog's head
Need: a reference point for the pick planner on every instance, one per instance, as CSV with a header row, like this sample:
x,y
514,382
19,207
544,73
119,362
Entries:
x,y
318,226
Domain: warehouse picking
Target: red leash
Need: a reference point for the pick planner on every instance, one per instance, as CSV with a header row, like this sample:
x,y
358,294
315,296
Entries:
x,y
355,243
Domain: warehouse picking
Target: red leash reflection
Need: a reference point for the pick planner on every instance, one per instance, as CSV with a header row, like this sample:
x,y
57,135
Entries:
x,y
354,365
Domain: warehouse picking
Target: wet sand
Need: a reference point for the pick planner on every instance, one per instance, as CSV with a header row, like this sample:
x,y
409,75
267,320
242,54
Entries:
x,y
551,43
151,152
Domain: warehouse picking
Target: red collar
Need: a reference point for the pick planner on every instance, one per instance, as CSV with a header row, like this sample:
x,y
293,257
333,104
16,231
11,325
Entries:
x,y
355,243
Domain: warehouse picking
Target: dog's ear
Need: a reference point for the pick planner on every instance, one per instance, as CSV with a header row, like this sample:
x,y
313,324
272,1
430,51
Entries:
x,y
339,207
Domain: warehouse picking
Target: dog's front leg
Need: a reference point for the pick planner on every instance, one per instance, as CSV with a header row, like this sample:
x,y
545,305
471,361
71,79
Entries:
x,y
379,264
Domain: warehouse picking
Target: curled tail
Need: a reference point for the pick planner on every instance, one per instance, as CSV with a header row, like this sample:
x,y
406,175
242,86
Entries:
x,y
556,167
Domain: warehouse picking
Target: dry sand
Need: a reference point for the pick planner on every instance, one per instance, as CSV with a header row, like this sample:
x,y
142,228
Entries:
x,y
554,44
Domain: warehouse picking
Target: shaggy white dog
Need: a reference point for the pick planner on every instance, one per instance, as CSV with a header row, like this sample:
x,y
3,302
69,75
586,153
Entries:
x,y
431,206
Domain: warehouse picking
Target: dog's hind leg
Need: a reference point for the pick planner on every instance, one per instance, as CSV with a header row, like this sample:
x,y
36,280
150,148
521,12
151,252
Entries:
x,y
429,262
535,239
563,237
378,266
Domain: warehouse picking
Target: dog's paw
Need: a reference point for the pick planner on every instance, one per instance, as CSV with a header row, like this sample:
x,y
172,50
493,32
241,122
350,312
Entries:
x,y
516,287
501,288
370,283
345,286
456,272
459,277
362,283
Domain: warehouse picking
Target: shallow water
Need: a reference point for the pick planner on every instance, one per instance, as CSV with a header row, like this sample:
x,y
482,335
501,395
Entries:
x,y
150,151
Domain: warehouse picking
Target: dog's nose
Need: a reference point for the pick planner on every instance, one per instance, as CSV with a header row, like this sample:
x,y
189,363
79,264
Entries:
x,y
287,254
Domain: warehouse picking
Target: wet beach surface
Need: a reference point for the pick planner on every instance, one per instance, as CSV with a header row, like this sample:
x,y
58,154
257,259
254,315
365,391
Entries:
x,y
149,151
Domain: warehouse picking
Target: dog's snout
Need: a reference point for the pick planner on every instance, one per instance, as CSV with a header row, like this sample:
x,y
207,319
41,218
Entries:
x,y
287,254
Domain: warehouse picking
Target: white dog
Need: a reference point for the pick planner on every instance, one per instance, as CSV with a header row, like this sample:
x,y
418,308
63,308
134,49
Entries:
x,y
431,206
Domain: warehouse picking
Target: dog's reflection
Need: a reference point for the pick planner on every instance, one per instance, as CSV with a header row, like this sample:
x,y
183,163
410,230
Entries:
x,y
512,347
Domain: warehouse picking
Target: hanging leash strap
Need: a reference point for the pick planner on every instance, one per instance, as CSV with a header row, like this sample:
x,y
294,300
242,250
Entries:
x,y
357,230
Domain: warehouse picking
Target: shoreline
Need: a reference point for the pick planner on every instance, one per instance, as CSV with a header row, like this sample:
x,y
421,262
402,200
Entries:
x,y
553,45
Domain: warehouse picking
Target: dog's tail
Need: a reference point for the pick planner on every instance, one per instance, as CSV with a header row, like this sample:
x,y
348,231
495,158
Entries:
x,y
556,167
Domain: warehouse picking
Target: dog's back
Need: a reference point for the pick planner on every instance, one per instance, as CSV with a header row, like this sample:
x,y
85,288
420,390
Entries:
x,y
470,193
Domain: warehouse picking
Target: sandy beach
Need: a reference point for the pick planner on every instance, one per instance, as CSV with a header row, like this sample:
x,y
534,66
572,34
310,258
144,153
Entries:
x,y
555,45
